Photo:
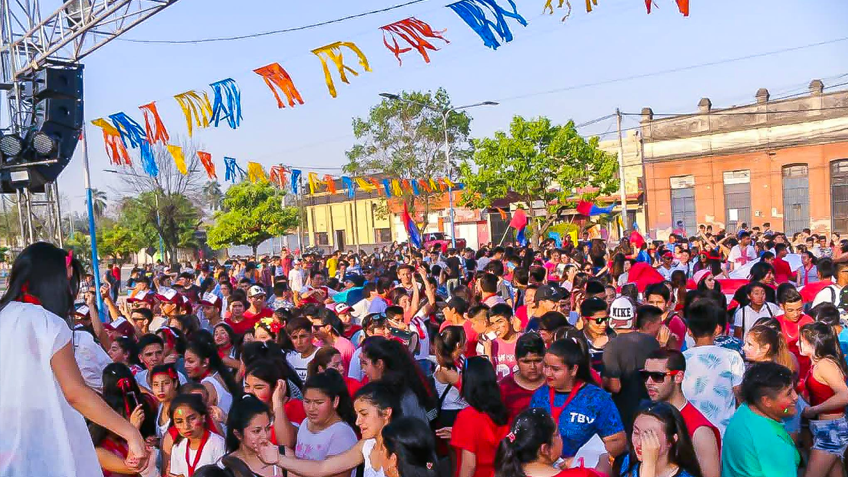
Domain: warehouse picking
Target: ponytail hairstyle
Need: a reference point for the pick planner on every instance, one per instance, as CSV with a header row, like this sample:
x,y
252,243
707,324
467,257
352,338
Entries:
x,y
322,359
203,345
451,339
481,391
825,343
411,441
41,272
128,345
192,401
331,384
380,396
574,351
765,335
241,413
119,388
681,452
531,429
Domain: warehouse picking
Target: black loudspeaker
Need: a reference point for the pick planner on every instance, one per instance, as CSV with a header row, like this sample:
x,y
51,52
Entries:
x,y
64,112
54,82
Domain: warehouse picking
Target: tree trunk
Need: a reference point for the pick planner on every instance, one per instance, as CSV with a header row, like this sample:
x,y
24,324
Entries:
x,y
255,247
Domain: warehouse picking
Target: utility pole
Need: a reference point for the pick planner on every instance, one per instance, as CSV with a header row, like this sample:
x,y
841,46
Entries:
x,y
621,177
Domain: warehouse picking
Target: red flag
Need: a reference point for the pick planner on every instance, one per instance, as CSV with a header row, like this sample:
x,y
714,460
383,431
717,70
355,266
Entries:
x,y
519,220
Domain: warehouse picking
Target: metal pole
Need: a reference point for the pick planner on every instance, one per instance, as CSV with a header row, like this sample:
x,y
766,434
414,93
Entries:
x,y
450,181
95,264
58,214
6,217
30,230
18,197
621,174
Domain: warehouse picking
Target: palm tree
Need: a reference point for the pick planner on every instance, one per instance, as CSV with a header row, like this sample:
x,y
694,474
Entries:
x,y
99,202
212,195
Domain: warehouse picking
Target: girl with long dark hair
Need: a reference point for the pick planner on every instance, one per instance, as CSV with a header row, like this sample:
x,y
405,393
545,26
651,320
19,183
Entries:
x,y
196,445
409,449
326,358
531,448
34,333
265,380
660,442
205,366
570,390
328,429
828,396
226,341
248,431
479,427
124,350
390,362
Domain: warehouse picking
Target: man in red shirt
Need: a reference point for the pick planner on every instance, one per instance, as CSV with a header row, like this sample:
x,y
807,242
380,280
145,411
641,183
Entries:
x,y
455,315
782,270
663,375
517,389
258,307
824,267
791,321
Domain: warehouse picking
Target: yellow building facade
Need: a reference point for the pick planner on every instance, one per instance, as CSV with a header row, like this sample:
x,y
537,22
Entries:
x,y
334,221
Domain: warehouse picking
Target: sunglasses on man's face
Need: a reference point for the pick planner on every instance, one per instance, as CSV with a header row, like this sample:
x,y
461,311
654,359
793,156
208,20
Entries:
x,y
600,320
656,376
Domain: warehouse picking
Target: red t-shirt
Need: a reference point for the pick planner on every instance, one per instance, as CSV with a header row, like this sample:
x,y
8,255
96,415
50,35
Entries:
x,y
475,432
694,420
791,331
782,270
809,292
678,329
263,313
353,385
242,326
521,314
471,337
514,396
295,413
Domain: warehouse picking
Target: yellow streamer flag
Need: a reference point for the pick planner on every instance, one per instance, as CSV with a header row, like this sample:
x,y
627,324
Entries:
x,y
589,4
106,127
255,172
196,108
396,190
333,51
313,182
365,185
179,160
450,183
549,7
433,186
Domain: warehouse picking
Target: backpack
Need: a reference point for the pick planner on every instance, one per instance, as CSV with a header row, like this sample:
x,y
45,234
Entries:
x,y
842,304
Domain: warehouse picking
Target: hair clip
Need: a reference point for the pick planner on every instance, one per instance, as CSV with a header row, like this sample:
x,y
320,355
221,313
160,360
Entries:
x,y
429,465
511,437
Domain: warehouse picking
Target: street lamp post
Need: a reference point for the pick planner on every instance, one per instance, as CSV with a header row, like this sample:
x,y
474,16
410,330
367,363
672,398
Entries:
x,y
444,113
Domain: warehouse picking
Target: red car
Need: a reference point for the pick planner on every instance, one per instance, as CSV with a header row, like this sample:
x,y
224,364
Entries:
x,y
431,239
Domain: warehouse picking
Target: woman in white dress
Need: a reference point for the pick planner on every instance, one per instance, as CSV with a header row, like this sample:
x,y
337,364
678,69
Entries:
x,y
41,430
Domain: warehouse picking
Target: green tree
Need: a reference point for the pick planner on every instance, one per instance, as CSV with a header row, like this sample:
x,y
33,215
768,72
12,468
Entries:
x,y
99,202
177,221
403,139
252,214
115,239
537,161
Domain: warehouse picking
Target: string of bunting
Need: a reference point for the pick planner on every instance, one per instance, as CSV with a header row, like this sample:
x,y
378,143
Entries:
x,y
489,19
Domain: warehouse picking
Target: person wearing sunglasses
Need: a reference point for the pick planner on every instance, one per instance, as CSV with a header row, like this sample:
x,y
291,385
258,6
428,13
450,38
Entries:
x,y
663,377
596,330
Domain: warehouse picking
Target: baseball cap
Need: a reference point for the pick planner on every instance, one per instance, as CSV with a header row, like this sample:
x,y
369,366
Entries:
x,y
81,309
211,299
167,294
548,292
146,296
622,313
342,308
667,254
121,326
255,290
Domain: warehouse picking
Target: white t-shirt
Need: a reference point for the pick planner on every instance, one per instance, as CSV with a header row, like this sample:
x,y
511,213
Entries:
x,y
739,257
370,471
90,358
300,364
711,374
746,317
334,440
828,294
355,370
212,452
296,279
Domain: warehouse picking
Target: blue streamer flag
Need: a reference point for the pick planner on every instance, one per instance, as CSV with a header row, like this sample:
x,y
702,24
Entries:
x,y
414,184
295,179
387,184
473,12
348,183
227,102
133,135
234,171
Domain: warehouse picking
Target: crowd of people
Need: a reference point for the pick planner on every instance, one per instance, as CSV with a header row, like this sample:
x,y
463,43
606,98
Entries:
x,y
616,358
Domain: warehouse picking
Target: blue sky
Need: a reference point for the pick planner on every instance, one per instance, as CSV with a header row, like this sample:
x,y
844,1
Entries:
x,y
617,40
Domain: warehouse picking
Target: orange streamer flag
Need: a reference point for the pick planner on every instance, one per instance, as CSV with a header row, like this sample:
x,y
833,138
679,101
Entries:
x,y
407,186
425,186
156,131
442,185
330,183
115,148
206,160
379,188
274,74
683,6
196,108
278,176
333,52
413,31
549,7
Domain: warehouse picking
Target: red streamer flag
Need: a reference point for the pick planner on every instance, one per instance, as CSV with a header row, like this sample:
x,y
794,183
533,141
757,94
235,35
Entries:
x,y
115,149
425,186
414,32
156,131
206,160
331,183
683,6
278,176
275,75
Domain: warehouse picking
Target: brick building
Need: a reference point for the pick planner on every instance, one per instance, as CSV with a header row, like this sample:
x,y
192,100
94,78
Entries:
x,y
784,162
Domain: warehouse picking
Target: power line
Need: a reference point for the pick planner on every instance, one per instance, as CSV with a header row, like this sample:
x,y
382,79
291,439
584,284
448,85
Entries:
x,y
273,32
674,70
743,113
